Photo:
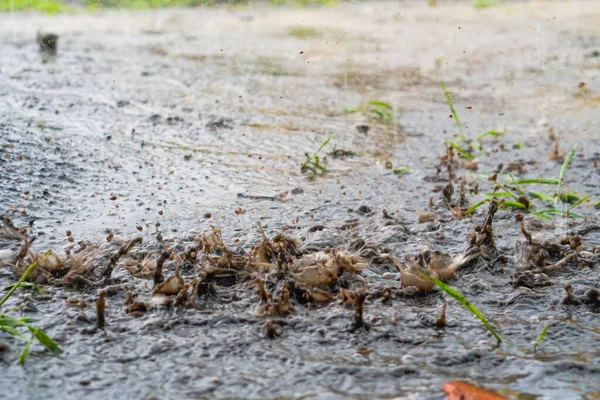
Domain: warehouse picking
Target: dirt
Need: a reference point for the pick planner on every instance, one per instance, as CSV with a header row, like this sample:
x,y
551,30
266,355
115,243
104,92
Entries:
x,y
174,120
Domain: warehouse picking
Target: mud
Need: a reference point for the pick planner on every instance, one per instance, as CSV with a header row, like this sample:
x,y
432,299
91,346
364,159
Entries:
x,y
174,120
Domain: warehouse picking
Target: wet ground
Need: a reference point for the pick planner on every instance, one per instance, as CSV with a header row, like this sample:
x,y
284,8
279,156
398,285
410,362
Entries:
x,y
175,120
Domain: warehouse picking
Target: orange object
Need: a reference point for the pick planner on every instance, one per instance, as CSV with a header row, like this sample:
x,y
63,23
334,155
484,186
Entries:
x,y
458,390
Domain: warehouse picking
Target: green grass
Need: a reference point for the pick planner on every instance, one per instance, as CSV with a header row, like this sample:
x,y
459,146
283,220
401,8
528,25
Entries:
x,y
462,145
312,166
43,6
466,303
376,109
10,324
540,181
402,170
541,336
461,136
479,4
523,202
563,169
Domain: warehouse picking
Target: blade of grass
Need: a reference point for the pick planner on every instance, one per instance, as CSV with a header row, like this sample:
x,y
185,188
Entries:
x,y
26,349
383,114
501,194
475,206
462,153
542,216
503,187
26,284
597,205
380,104
541,336
324,144
556,211
541,181
453,111
12,331
402,170
6,320
462,300
488,133
514,204
563,169
541,196
23,277
584,198
45,340
517,185
568,198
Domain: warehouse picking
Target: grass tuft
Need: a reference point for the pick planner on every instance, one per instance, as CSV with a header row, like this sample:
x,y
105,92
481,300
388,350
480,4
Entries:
x,y
376,109
312,166
10,324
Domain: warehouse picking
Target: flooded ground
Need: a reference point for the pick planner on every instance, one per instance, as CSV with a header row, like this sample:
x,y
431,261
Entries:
x,y
174,120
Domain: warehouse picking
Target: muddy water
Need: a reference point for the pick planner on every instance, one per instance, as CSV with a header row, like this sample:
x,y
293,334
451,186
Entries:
x,y
162,117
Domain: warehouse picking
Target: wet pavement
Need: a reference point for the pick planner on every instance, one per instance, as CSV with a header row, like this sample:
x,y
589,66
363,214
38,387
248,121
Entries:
x,y
175,120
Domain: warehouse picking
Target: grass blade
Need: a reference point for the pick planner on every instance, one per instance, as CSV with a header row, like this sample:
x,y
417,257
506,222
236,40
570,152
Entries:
x,y
503,187
12,331
476,206
541,196
26,284
453,111
541,181
501,194
324,144
23,277
402,170
584,198
517,185
488,133
380,104
466,303
568,197
556,211
26,349
13,322
514,204
45,340
383,114
542,216
563,169
16,286
462,153
541,336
